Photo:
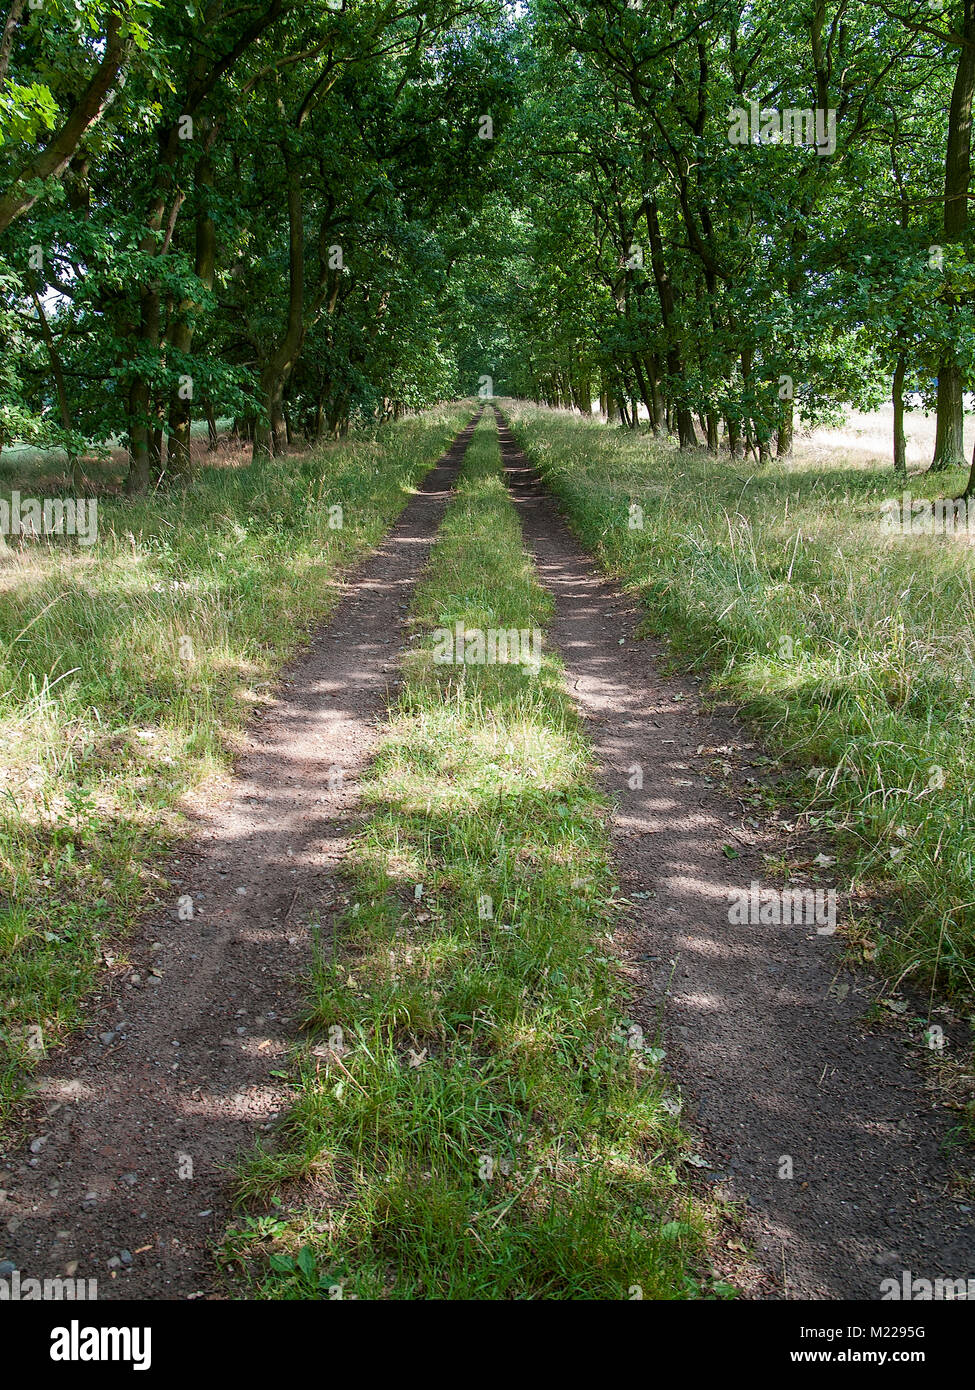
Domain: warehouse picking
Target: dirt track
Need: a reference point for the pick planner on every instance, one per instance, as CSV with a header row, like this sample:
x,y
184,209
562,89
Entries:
x,y
772,1060
133,1134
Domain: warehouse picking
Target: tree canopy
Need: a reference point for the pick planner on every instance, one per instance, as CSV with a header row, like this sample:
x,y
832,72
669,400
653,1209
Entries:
x,y
716,217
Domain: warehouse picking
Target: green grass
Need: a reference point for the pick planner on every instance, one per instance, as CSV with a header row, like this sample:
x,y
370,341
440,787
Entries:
x,y
125,669
854,650
475,1116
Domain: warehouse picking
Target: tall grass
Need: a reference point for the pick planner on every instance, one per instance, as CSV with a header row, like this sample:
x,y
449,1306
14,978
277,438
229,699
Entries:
x,y
852,647
125,669
479,1118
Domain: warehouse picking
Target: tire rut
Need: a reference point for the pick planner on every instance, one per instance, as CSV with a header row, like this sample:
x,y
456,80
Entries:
x,y
139,1118
774,1062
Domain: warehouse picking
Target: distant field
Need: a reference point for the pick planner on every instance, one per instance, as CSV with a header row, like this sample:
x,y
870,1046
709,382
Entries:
x,y
866,439
25,463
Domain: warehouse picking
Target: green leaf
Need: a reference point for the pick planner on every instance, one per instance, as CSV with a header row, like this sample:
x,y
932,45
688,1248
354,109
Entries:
x,y
674,1229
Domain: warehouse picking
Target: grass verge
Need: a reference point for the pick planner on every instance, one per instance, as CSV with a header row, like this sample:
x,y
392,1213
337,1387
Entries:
x,y
475,1116
126,667
851,646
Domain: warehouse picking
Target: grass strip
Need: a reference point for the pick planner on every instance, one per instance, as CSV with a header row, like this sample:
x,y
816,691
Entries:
x,y
475,1115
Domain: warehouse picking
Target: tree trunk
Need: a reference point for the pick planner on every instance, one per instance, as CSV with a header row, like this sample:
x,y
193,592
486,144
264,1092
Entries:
x,y
146,332
762,434
156,467
57,372
949,441
264,424
138,413
665,293
949,445
786,429
178,457
657,405
643,385
900,440
686,436
267,434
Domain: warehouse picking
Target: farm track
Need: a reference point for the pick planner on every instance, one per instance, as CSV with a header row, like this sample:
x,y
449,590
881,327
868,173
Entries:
x,y
139,1118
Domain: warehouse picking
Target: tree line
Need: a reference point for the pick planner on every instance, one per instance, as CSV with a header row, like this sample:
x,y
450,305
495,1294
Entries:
x,y
740,214
250,210
715,217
